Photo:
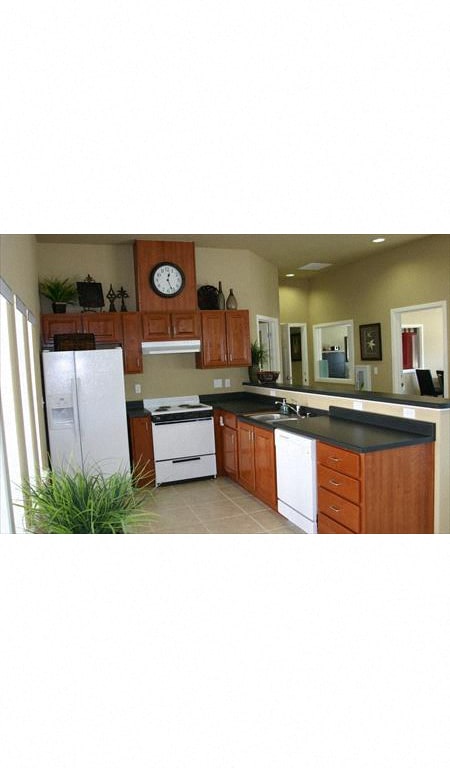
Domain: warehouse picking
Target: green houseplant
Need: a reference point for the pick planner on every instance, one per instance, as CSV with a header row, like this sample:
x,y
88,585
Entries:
x,y
60,292
66,502
259,357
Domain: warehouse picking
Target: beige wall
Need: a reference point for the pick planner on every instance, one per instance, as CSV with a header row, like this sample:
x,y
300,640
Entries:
x,y
18,267
366,291
107,264
254,282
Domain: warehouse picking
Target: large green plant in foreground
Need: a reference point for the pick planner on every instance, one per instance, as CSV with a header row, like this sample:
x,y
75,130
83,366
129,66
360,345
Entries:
x,y
63,502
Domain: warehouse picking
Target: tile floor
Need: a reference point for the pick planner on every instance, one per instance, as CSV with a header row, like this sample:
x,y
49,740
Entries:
x,y
209,506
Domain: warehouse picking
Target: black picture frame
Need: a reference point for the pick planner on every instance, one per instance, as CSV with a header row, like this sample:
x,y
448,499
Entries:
x,y
90,295
370,341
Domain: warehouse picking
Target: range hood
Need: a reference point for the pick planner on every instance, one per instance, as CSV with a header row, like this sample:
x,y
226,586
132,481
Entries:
x,y
170,347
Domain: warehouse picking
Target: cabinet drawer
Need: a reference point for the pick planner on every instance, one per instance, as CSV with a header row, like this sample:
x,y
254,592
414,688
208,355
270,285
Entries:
x,y
327,525
340,510
229,420
336,482
337,458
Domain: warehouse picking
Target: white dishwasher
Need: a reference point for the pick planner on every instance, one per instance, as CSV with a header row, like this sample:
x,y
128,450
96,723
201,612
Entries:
x,y
296,479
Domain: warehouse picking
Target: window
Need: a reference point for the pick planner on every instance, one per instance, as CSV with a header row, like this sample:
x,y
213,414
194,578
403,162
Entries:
x,y
20,436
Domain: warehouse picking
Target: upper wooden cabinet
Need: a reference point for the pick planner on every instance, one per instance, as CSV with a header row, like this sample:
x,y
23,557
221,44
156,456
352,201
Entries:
x,y
51,324
225,339
161,326
106,326
147,255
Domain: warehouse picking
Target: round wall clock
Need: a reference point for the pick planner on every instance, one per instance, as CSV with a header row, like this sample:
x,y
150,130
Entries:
x,y
167,279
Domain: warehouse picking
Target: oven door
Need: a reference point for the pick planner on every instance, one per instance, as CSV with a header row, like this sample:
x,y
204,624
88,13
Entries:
x,y
178,440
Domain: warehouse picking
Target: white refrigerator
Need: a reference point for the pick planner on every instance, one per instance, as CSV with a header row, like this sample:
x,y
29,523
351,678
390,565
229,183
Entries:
x,y
86,412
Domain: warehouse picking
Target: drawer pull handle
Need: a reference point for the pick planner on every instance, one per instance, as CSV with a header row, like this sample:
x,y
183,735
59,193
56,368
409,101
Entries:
x,y
334,458
334,509
333,482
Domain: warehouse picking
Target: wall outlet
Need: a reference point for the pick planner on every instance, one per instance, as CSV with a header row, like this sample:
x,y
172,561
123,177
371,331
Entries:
x,y
375,370
357,405
228,382
217,383
137,389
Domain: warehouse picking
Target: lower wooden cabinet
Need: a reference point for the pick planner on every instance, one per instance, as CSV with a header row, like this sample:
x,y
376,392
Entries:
x,y
256,462
388,491
229,441
141,448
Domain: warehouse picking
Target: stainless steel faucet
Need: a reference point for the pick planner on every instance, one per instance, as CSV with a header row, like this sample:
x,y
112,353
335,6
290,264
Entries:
x,y
285,406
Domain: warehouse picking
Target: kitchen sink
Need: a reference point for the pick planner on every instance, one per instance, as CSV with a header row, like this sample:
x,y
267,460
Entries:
x,y
277,416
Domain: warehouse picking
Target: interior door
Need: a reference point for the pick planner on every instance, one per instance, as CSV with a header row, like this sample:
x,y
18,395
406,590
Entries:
x,y
286,353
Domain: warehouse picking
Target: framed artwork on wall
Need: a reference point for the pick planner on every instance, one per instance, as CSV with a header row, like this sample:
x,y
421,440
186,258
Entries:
x,y
370,341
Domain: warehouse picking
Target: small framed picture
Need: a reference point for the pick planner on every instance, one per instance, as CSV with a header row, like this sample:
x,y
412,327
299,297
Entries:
x,y
370,341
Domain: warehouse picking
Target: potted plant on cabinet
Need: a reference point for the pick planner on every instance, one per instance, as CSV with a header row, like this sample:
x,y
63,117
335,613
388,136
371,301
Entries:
x,y
60,292
66,502
259,357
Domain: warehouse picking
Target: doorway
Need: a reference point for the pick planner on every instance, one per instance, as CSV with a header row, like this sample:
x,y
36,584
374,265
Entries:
x,y
267,333
294,351
432,320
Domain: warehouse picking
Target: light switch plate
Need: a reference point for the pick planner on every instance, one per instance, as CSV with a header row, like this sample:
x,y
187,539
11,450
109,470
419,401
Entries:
x,y
217,383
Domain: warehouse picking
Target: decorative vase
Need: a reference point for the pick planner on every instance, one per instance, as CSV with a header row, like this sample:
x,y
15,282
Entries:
x,y
220,298
231,301
59,307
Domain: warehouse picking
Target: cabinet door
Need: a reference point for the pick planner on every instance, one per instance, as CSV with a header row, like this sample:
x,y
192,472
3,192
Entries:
x,y
265,474
185,325
246,456
230,454
142,449
156,326
106,326
132,340
238,337
60,323
214,348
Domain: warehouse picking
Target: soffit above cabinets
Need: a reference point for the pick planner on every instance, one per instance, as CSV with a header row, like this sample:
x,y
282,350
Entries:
x,y
287,251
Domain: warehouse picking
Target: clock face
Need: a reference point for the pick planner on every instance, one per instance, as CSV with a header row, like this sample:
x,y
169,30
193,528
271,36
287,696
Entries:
x,y
167,279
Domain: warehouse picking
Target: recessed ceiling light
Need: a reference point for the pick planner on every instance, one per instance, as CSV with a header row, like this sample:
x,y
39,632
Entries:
x,y
378,240
290,274
315,265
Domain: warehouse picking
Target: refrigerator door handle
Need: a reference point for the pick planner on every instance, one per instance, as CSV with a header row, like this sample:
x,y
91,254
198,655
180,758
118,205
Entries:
x,y
75,384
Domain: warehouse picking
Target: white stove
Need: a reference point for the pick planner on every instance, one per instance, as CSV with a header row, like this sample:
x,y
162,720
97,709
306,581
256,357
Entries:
x,y
188,408
183,438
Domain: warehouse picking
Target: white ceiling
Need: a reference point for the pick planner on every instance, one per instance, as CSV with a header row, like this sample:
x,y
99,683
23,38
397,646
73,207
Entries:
x,y
288,252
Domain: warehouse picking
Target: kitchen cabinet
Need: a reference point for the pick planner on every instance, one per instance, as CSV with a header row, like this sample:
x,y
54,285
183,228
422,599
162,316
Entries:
x,y
106,326
256,462
60,323
163,326
141,449
229,444
225,339
386,491
132,342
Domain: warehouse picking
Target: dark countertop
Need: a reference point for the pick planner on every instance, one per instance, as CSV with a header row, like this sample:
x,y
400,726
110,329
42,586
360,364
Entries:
x,y
359,431
356,394
135,409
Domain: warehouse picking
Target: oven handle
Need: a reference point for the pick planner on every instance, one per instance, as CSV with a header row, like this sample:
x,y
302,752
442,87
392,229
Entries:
x,y
181,461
